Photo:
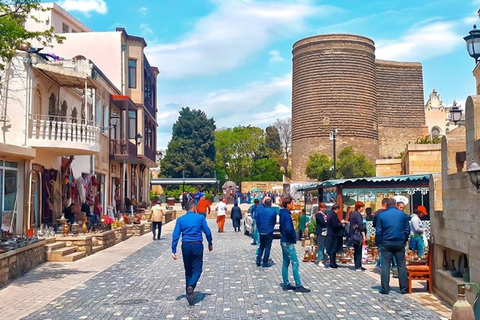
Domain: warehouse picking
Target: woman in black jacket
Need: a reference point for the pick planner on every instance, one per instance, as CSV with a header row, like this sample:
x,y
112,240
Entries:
x,y
236,216
321,232
334,241
357,234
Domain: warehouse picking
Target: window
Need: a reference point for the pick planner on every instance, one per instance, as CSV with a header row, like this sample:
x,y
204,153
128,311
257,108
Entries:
x,y
132,73
52,110
65,28
132,124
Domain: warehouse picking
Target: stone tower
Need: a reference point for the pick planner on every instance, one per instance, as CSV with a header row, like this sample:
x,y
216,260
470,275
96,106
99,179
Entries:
x,y
337,83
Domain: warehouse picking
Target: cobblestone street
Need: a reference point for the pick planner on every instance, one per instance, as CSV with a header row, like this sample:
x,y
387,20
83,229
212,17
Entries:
x,y
148,284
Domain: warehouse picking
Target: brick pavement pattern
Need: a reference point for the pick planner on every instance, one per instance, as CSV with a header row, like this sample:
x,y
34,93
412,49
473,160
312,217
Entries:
x,y
147,284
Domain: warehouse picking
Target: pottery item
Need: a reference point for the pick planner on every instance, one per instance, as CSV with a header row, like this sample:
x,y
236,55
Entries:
x,y
445,262
66,228
84,226
462,310
453,265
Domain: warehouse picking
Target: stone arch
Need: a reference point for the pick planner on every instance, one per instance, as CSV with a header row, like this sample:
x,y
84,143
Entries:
x,y
52,110
37,101
64,109
436,132
74,115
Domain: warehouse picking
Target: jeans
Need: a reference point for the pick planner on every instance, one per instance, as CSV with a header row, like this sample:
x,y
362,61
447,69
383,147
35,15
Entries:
x,y
357,255
379,262
389,250
290,256
265,247
192,261
417,244
157,225
255,235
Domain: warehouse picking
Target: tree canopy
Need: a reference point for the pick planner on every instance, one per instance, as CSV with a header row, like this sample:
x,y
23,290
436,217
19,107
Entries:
x,y
319,167
242,155
192,146
354,165
13,36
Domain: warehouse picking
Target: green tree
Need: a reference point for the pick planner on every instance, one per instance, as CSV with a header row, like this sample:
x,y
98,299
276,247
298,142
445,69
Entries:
x,y
319,167
13,35
192,146
354,165
272,140
243,155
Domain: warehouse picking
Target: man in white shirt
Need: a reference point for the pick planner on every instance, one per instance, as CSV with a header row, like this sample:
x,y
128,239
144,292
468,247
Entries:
x,y
221,209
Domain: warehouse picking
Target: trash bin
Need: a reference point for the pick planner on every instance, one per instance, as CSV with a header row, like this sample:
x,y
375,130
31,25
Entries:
x,y
171,201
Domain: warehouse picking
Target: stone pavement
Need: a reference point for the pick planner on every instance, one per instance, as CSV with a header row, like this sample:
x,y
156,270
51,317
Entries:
x,y
137,279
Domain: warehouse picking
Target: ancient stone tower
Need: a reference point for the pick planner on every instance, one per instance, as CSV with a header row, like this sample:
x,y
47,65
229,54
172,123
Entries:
x,y
377,106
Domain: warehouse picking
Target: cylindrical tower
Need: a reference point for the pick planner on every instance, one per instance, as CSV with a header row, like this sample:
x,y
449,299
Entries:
x,y
333,86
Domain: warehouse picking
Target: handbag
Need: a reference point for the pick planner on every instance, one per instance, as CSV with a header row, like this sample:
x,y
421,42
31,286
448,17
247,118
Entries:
x,y
324,232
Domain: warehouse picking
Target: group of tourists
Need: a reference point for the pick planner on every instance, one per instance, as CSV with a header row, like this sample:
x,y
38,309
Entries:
x,y
393,230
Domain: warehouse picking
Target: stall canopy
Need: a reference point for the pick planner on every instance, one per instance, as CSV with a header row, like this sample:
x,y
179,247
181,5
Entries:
x,y
370,182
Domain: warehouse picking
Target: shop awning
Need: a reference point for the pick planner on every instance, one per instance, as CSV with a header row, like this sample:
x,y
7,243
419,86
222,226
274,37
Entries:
x,y
370,181
66,77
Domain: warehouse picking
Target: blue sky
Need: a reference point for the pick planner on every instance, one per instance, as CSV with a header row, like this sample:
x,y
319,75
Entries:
x,y
232,58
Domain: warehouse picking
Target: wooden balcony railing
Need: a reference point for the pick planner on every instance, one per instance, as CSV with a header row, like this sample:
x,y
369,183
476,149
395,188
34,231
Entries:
x,y
122,147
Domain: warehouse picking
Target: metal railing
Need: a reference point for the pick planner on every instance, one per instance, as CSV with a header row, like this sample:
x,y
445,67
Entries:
x,y
58,128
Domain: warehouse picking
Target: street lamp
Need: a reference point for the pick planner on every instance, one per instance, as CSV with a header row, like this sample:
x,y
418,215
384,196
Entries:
x,y
473,43
333,137
474,173
113,121
455,113
138,138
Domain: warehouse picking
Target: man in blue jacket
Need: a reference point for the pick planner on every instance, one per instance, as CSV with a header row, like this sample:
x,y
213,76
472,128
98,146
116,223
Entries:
x,y
289,252
391,234
265,218
190,226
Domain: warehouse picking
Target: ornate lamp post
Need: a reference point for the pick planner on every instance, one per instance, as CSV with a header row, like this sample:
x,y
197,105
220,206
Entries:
x,y
455,113
473,43
474,173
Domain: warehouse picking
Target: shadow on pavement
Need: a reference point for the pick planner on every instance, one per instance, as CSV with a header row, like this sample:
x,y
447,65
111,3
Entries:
x,y
199,296
48,272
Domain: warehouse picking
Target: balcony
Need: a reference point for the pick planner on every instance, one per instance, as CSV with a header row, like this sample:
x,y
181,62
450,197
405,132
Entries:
x,y
149,157
123,150
63,136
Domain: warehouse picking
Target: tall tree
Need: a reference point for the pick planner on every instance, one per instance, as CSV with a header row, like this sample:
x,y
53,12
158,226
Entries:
x,y
237,150
272,140
284,128
354,165
319,167
192,146
13,36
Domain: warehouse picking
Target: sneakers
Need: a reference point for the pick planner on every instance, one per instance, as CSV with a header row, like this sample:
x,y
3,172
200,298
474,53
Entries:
x,y
268,265
190,297
302,289
361,269
288,287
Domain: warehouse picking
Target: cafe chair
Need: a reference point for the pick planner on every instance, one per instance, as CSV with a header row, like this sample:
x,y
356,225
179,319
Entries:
x,y
423,272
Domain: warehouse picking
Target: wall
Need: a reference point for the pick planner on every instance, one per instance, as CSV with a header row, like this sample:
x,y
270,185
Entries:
x,y
422,158
388,167
262,185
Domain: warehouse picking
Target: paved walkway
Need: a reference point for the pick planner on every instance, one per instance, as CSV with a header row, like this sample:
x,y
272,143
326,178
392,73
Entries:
x,y
137,279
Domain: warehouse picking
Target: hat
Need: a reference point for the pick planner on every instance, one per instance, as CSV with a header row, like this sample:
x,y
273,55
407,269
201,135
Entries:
x,y
422,210
267,199
224,200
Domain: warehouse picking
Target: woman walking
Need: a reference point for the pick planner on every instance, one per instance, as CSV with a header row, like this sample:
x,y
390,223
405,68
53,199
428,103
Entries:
x,y
236,216
357,234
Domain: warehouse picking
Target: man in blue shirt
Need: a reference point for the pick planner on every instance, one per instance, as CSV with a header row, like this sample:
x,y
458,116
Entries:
x,y
391,235
266,218
289,252
190,227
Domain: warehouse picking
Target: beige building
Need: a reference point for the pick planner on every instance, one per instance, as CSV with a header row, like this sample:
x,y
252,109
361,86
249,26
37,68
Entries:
x,y
456,227
54,16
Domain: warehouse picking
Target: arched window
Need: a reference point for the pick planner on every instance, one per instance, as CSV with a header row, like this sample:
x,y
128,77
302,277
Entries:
x,y
63,110
436,132
37,102
74,115
52,111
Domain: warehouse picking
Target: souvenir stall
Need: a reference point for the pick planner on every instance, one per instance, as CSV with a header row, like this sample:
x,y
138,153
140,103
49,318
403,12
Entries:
x,y
413,190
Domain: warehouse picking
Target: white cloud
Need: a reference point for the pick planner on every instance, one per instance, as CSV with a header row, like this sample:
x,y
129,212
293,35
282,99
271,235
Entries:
x,y
224,39
143,10
229,108
275,56
145,29
421,43
85,6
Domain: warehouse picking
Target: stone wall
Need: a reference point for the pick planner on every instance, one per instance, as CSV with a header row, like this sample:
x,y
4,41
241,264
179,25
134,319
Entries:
x,y
16,263
388,167
262,185
105,239
392,141
83,243
422,158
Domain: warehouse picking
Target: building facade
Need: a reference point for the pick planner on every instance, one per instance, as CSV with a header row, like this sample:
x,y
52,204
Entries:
x,y
338,84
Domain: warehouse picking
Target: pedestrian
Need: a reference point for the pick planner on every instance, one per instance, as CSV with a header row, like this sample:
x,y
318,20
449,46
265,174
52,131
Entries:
x,y
289,253
357,234
197,196
184,200
266,218
236,216
157,218
334,241
190,227
203,206
392,231
400,206
303,223
221,209
321,232
253,210
416,231
384,207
